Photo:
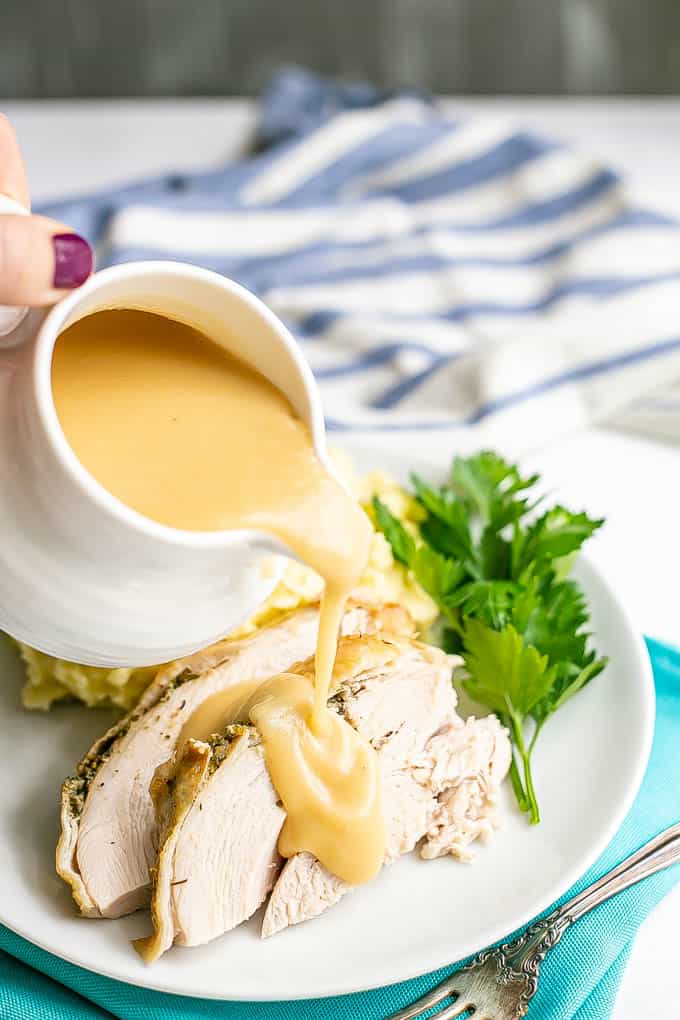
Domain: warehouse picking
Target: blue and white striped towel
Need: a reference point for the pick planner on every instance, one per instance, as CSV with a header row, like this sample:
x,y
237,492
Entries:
x,y
440,274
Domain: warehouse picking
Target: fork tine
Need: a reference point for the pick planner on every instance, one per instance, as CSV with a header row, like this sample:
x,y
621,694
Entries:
x,y
457,1008
432,998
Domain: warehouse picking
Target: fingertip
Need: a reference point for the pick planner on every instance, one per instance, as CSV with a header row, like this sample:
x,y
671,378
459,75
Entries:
x,y
40,260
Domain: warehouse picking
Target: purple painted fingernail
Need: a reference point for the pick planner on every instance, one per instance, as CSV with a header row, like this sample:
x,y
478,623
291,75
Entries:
x,y
72,260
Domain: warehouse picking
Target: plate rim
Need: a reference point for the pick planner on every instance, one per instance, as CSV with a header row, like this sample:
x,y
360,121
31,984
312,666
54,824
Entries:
x,y
440,960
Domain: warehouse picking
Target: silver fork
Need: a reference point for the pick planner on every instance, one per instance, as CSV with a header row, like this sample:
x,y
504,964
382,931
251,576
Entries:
x,y
499,983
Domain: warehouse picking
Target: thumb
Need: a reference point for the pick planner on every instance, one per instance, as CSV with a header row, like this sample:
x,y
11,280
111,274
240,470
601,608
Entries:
x,y
40,260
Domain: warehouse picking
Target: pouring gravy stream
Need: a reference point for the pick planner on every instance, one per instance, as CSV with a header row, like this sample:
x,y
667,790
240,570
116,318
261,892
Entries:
x,y
189,436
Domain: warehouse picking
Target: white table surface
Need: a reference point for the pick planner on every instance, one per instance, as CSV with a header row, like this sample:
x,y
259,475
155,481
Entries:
x,y
75,146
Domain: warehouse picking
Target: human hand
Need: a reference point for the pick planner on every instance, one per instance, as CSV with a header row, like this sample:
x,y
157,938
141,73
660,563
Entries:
x,y
41,260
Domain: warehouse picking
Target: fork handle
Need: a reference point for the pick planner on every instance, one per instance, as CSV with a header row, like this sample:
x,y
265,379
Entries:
x,y
658,853
525,954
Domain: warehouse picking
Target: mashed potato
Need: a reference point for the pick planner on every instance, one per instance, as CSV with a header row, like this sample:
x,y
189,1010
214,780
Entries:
x,y
49,680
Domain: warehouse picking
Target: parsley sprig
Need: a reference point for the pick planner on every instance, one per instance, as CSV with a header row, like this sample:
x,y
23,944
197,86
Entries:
x,y
498,569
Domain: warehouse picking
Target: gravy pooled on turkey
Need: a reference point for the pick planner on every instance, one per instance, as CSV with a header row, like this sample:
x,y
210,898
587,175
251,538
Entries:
x,y
109,836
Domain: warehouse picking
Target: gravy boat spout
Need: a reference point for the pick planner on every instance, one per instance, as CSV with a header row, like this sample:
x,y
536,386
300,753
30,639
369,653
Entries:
x,y
83,576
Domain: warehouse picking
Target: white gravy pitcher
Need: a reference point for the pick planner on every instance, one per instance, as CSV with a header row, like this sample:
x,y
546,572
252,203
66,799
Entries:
x,y
83,576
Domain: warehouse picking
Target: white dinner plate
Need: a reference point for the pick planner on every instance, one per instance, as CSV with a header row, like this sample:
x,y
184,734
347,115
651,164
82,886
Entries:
x,y
417,915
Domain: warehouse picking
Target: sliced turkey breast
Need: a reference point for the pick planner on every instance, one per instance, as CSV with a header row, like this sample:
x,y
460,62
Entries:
x,y
212,875
407,697
109,836
398,694
441,776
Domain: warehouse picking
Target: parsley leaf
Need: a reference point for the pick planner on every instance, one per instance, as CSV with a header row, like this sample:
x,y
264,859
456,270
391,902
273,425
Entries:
x,y
402,544
564,688
556,534
505,674
489,601
487,485
447,527
439,576
513,679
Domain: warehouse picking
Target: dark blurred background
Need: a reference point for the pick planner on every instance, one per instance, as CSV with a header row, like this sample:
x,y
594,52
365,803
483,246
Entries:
x,y
66,48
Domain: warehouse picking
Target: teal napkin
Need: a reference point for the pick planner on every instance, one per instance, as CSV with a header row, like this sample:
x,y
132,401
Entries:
x,y
579,979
